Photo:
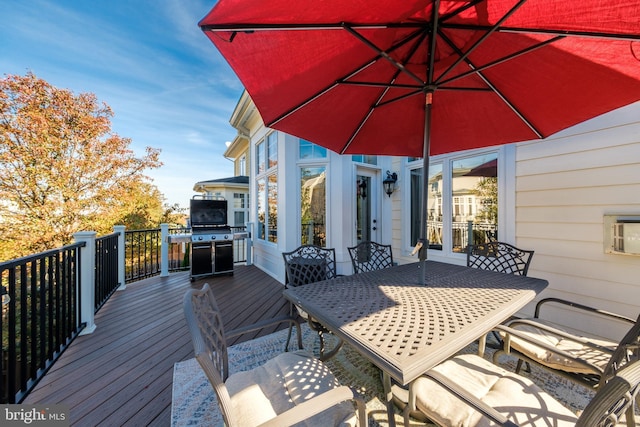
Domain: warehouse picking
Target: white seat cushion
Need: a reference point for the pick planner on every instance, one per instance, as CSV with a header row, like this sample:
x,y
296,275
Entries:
x,y
554,361
283,382
512,395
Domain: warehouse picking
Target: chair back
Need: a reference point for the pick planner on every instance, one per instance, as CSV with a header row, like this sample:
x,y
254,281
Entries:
x,y
210,345
615,399
308,264
499,256
370,256
627,352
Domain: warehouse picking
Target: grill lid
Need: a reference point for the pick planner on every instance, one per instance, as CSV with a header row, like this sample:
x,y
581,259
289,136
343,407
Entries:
x,y
207,213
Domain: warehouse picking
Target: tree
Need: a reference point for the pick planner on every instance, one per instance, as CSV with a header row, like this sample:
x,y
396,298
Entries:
x,y
62,169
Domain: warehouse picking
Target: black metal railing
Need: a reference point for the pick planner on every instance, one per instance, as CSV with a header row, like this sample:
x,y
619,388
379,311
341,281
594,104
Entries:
x,y
239,246
44,314
41,318
106,268
142,254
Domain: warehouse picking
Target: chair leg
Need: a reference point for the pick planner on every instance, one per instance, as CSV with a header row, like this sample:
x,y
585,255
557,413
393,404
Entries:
x,y
519,366
286,346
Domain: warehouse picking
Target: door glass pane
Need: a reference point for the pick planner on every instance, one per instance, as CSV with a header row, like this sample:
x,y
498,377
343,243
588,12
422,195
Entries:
x,y
474,200
363,208
313,206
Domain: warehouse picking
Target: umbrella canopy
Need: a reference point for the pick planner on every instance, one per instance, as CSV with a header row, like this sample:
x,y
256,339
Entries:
x,y
424,77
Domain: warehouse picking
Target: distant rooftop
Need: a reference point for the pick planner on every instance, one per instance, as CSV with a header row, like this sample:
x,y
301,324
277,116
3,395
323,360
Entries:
x,y
230,180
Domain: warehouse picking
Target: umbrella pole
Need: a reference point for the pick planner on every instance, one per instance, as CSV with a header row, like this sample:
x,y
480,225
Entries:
x,y
424,241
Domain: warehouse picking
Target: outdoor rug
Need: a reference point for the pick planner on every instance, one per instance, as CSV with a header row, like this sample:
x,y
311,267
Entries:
x,y
194,402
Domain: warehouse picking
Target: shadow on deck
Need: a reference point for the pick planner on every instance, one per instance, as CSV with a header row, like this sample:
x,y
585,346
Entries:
x,y
121,375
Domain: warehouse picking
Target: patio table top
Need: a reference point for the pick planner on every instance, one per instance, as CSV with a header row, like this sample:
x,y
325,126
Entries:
x,y
406,328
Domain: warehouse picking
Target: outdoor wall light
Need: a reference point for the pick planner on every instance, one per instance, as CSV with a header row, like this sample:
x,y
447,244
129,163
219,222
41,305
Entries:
x,y
5,296
389,183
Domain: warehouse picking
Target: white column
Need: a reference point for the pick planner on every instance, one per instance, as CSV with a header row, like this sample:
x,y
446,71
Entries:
x,y
87,279
164,250
121,257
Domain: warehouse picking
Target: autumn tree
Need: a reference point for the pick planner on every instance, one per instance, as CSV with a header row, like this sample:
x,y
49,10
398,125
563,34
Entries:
x,y
62,169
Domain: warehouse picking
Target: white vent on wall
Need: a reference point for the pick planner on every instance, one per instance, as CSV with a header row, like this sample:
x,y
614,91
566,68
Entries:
x,y
622,234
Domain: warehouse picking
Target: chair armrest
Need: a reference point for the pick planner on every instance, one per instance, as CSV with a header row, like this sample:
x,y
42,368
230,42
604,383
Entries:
x,y
471,400
514,332
559,332
316,405
583,308
263,324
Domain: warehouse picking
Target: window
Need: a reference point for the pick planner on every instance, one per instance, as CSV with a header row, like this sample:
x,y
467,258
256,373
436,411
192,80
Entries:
x,y
361,158
434,209
242,165
313,211
272,149
267,187
240,209
260,157
309,150
474,188
469,187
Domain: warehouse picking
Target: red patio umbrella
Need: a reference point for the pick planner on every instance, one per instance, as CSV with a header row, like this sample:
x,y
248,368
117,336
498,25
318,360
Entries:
x,y
424,77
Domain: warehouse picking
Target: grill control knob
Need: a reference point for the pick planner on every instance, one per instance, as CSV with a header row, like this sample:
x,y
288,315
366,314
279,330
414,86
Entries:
x,y
226,237
199,237
213,237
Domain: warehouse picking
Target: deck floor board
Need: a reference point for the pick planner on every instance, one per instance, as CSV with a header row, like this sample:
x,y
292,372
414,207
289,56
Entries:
x,y
122,373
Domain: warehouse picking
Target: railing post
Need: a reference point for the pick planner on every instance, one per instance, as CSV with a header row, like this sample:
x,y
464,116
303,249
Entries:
x,y
87,279
470,240
121,256
164,250
249,244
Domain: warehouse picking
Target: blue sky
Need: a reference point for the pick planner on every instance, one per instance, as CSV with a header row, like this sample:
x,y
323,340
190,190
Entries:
x,y
168,86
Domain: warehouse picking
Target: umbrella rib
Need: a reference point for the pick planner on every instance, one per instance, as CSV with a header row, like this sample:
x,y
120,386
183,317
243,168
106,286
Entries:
x,y
572,33
433,42
378,84
494,89
388,86
382,54
366,117
482,39
342,80
511,106
318,94
498,61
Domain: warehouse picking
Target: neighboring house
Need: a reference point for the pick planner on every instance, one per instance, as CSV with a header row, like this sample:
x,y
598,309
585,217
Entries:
x,y
549,195
235,190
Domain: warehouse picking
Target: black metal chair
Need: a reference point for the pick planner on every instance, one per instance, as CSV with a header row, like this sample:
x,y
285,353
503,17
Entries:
x,y
586,360
308,264
306,392
457,392
370,256
499,256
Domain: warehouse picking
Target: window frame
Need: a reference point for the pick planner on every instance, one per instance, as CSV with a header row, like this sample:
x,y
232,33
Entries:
x,y
268,146
505,196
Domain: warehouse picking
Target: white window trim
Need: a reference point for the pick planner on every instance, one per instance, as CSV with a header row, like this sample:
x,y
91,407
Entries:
x,y
506,199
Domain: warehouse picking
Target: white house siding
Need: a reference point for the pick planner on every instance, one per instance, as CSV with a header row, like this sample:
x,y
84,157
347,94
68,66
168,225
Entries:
x,y
564,187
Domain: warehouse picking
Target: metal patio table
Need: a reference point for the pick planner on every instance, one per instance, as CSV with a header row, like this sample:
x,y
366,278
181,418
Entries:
x,y
406,328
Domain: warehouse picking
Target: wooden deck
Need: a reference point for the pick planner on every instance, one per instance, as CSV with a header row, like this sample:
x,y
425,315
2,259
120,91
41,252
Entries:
x,y
121,375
